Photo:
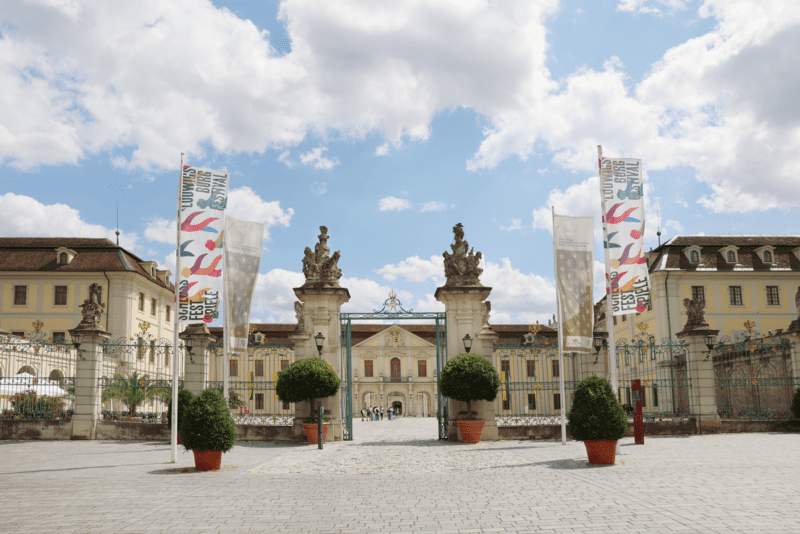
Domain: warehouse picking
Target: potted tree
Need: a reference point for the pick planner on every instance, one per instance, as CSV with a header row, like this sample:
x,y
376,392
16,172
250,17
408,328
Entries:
x,y
184,399
306,380
469,377
598,419
208,429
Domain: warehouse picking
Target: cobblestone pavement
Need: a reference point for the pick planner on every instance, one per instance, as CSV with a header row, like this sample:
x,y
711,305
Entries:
x,y
396,477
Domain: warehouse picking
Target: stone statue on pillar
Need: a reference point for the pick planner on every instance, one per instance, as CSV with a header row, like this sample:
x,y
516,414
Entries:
x,y
795,325
320,268
695,319
461,267
92,309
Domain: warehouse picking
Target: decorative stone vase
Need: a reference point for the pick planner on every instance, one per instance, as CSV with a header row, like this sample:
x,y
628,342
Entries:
x,y
311,432
207,460
601,451
470,431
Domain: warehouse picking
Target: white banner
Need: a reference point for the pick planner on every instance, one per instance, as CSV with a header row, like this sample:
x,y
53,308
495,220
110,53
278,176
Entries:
x,y
203,197
243,241
628,279
573,247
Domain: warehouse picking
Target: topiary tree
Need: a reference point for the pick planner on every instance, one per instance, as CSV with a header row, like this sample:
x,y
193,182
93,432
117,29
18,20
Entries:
x,y
207,423
306,380
596,414
184,399
469,377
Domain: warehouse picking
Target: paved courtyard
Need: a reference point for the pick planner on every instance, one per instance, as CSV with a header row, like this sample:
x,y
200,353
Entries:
x,y
396,477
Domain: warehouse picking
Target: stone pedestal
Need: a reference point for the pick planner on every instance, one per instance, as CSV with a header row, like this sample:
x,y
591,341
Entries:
x,y
87,380
701,375
321,308
593,364
196,339
462,305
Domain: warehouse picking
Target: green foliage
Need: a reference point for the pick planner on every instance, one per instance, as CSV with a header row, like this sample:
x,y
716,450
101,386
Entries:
x,y
208,425
596,413
469,377
306,380
796,404
233,399
134,390
184,399
28,405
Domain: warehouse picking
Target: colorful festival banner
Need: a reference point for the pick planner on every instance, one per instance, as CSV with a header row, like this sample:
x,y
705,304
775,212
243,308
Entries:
x,y
623,214
573,247
203,197
243,240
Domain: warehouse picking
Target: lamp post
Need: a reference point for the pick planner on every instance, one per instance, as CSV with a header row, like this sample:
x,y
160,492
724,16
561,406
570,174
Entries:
x,y
319,339
467,343
599,341
710,341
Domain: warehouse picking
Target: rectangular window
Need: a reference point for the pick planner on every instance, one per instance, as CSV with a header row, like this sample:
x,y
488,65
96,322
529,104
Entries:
x,y
140,350
169,313
555,369
152,351
422,368
59,337
259,401
655,396
141,302
368,371
20,295
624,318
259,367
153,306
628,396
735,293
234,368
530,368
699,293
615,321
60,296
773,298
557,402
531,402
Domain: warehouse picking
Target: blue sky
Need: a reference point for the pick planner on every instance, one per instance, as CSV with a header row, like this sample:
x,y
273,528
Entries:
x,y
391,122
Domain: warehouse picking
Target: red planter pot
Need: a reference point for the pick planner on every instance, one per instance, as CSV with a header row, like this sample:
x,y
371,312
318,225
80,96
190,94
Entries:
x,y
311,432
207,460
470,431
601,451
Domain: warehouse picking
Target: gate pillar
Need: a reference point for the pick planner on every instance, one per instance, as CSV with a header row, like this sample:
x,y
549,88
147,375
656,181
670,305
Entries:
x,y
701,377
87,379
196,338
464,309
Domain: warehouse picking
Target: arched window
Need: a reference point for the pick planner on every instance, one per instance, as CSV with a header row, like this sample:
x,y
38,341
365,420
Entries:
x,y
694,257
767,256
731,257
395,369
56,376
62,258
27,369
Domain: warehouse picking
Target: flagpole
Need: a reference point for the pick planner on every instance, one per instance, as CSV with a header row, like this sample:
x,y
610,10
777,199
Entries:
x,y
612,351
560,340
225,332
174,430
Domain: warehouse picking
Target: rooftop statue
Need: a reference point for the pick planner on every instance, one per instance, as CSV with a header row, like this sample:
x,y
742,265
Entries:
x,y
461,267
318,266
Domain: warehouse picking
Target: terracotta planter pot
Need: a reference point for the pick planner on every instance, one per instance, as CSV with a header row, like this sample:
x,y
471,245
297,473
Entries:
x,y
601,451
207,460
470,431
180,441
311,432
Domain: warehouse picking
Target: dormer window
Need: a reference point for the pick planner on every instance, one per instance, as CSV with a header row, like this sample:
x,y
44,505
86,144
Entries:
x,y
730,253
64,255
731,257
149,267
766,253
694,257
692,254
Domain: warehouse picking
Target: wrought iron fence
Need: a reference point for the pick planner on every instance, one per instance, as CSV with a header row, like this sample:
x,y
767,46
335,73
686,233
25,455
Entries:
x,y
754,379
664,374
36,376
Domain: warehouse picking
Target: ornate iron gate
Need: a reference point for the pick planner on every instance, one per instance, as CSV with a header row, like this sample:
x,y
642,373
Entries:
x,y
392,310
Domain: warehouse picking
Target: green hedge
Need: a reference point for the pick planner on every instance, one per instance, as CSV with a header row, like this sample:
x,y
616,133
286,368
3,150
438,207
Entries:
x,y
208,425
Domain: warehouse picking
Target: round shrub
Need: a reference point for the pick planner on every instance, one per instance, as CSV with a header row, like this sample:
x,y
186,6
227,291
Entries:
x,y
306,380
796,404
469,377
596,414
184,399
208,425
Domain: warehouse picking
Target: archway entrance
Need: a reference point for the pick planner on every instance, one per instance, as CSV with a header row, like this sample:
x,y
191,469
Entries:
x,y
392,310
397,407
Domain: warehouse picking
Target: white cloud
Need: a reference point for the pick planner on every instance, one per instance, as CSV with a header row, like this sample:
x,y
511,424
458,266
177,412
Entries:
x,y
319,188
284,158
24,216
274,297
516,224
315,158
433,206
415,269
243,203
382,150
650,6
517,297
578,200
393,204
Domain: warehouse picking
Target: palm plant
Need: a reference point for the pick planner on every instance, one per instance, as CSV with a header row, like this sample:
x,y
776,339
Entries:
x,y
134,390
